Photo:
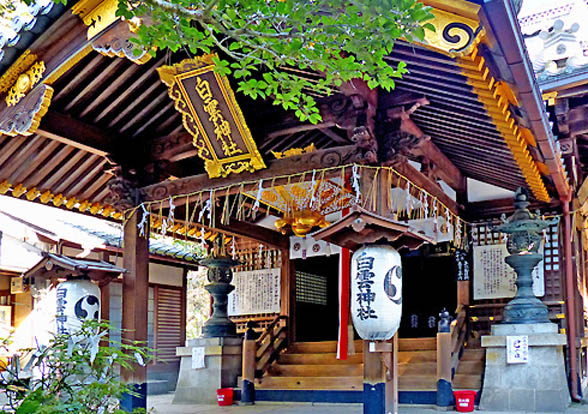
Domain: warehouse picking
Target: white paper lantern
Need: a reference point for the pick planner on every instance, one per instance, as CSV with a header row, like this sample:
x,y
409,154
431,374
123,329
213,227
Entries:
x,y
77,300
376,291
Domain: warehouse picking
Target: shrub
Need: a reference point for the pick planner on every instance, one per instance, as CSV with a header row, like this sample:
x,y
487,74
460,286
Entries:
x,y
73,374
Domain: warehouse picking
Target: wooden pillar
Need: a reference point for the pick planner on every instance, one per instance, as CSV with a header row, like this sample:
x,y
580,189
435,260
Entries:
x,y
105,294
392,378
463,292
380,377
135,297
288,292
105,309
444,374
249,365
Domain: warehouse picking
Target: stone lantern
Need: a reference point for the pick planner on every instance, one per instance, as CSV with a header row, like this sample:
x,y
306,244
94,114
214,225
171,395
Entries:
x,y
220,276
212,361
525,368
525,233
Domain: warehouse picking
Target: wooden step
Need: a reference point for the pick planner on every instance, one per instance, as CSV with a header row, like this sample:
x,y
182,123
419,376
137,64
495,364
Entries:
x,y
417,368
470,354
470,367
319,347
311,383
417,344
417,383
417,356
467,382
404,344
318,359
316,370
357,358
314,366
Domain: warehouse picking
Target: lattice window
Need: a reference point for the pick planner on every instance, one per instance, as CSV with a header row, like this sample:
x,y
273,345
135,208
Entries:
x,y
483,235
311,288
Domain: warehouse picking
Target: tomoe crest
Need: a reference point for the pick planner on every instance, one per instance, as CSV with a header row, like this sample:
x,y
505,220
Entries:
x,y
390,280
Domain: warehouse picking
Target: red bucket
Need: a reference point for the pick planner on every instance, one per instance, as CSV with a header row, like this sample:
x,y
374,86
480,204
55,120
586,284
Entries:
x,y
224,396
464,401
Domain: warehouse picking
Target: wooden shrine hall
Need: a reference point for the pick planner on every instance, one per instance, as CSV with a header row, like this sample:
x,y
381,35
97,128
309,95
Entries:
x,y
164,144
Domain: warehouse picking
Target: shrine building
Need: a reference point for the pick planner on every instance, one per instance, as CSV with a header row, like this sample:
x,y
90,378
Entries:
x,y
367,250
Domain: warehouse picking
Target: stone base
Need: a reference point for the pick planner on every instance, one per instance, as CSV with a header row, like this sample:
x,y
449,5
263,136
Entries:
x,y
223,360
537,386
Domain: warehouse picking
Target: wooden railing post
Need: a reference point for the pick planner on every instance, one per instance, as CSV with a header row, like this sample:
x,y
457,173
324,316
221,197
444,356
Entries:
x,y
249,366
444,361
380,377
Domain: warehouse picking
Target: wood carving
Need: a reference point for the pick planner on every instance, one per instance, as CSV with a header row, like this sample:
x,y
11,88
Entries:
x,y
117,42
24,117
396,145
316,160
367,144
173,147
124,193
210,113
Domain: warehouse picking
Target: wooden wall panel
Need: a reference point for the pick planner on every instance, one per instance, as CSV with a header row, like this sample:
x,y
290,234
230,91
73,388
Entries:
x,y
169,323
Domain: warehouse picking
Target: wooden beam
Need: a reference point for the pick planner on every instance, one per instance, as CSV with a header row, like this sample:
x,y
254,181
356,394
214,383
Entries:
x,y
296,164
426,184
251,231
495,208
173,148
70,131
334,136
299,128
445,169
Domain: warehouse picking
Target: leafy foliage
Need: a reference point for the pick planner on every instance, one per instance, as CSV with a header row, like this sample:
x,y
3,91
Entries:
x,y
198,301
74,374
288,50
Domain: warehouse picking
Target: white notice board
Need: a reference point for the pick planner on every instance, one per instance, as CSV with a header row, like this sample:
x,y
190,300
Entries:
x,y
517,349
494,279
256,291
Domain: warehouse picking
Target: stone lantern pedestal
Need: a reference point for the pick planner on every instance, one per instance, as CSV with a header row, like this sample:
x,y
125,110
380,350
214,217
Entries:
x,y
222,366
538,385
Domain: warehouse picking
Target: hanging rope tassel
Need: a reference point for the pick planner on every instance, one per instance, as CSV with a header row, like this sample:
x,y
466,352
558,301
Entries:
x,y
143,222
258,197
355,182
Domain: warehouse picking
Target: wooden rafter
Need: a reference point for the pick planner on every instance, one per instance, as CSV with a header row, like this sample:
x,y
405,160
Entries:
x,y
70,131
278,168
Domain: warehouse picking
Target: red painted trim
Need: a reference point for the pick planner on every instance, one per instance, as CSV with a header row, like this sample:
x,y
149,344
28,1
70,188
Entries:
x,y
344,283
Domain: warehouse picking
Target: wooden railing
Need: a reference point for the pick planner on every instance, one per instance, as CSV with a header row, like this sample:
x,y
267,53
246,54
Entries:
x,y
450,345
459,334
270,343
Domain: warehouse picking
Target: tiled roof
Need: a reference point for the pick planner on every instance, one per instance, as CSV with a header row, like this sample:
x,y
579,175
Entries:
x,y
157,247
22,27
89,232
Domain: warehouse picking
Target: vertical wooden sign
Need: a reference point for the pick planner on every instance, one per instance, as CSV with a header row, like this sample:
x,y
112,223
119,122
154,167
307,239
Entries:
x,y
210,113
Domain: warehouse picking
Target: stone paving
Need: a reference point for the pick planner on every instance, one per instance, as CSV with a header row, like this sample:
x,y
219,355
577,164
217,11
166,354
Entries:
x,y
161,404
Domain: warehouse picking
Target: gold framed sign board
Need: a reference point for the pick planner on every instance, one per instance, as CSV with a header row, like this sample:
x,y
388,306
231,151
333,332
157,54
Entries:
x,y
210,113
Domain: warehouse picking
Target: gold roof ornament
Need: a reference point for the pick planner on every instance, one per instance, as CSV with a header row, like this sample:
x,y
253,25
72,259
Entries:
x,y
294,151
305,204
